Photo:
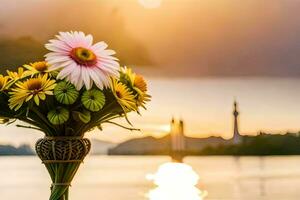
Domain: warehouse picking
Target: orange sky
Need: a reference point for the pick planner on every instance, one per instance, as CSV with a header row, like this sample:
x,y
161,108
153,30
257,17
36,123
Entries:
x,y
183,37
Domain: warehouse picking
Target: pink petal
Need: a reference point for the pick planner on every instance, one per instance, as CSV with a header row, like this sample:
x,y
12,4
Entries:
x,y
54,67
86,77
60,44
76,75
109,52
65,72
56,59
99,47
89,40
107,61
67,37
54,48
94,74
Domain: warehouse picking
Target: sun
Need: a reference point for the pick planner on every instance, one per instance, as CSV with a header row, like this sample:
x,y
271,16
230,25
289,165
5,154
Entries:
x,y
150,4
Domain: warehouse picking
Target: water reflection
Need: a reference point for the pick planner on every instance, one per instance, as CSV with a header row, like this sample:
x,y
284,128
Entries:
x,y
175,181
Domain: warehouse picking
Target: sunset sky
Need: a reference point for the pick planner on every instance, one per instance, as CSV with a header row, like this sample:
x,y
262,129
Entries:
x,y
183,37
198,55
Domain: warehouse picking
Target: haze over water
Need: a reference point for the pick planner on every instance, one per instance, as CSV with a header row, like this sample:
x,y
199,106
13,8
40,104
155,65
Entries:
x,y
265,104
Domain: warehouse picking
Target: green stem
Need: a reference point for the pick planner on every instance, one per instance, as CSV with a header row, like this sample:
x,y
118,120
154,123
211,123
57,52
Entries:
x,y
45,120
106,110
128,128
29,127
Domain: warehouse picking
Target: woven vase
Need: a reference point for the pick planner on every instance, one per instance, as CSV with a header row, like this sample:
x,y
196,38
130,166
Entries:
x,y
62,157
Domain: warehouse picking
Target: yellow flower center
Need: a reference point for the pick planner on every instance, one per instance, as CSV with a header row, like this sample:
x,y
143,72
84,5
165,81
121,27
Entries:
x,y
83,56
34,85
40,66
119,94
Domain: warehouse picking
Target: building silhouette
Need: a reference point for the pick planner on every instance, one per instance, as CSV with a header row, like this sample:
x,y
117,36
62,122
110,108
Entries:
x,y
178,139
178,144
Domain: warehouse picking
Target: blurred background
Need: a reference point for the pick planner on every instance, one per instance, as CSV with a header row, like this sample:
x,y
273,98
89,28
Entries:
x,y
224,79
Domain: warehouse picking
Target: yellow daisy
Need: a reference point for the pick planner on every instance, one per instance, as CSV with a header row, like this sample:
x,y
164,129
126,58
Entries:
x,y
17,75
124,96
142,99
140,83
137,84
37,67
140,86
3,82
33,88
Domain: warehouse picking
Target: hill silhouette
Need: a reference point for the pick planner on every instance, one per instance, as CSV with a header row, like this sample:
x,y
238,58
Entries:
x,y
162,146
260,145
9,150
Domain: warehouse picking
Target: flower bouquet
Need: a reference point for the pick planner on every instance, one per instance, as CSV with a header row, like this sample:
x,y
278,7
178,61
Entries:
x,y
78,87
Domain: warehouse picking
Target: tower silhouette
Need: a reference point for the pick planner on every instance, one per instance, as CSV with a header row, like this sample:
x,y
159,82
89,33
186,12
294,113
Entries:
x,y
236,134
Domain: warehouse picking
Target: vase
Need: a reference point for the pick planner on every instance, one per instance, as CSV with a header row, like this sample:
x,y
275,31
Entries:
x,y
62,157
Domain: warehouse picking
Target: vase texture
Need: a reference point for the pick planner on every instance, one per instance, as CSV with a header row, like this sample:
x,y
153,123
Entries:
x,y
62,157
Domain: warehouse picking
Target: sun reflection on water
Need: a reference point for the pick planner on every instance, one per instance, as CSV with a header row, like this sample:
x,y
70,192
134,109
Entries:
x,y
175,181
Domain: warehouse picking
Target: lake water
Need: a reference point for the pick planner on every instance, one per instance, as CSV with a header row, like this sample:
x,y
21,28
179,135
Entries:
x,y
116,178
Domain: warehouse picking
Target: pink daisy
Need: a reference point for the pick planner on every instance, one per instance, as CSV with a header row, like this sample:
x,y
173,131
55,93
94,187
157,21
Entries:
x,y
82,62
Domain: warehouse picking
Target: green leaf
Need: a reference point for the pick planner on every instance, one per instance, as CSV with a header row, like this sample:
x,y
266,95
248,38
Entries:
x,y
84,116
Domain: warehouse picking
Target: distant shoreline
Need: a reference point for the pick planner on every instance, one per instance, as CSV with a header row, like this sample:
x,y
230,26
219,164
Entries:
x,y
261,145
